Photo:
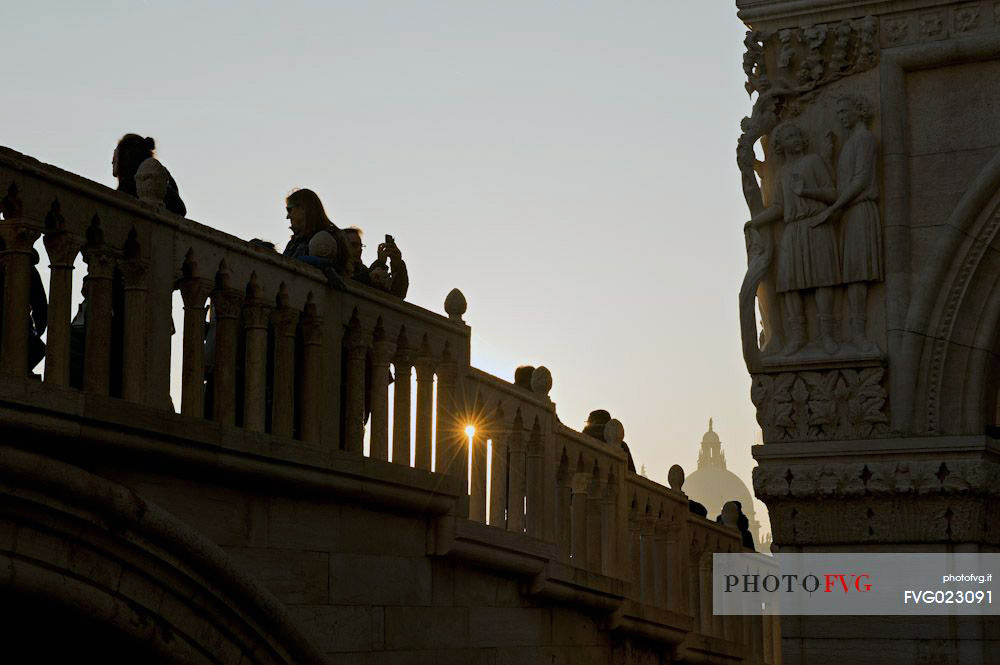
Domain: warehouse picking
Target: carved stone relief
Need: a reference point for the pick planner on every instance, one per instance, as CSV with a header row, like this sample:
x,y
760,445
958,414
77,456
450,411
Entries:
x,y
821,405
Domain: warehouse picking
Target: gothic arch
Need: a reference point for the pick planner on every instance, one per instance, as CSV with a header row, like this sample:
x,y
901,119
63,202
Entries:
x,y
93,548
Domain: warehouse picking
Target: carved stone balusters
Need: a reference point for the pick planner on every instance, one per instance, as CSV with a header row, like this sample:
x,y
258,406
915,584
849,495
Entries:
x,y
311,390
564,519
19,235
755,637
477,492
62,248
498,478
578,506
256,313
382,352
403,364
285,319
694,583
609,527
194,291
595,535
425,408
516,475
647,593
134,270
100,262
226,304
535,513
635,551
676,569
452,456
708,623
661,583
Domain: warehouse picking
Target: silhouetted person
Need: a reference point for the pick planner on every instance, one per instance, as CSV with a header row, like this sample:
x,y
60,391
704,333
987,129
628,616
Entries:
x,y
38,316
595,427
391,278
522,378
315,239
132,151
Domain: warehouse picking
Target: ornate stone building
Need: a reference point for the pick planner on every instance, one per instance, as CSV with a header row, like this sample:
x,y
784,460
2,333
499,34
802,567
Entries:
x,y
712,484
872,260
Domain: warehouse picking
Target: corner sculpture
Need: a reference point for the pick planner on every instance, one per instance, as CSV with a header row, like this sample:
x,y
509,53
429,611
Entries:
x,y
814,239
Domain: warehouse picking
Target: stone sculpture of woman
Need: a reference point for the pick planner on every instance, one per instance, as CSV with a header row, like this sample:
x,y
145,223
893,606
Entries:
x,y
807,257
857,203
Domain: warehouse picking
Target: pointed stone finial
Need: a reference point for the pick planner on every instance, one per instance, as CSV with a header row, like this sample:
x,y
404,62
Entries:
x,y
675,477
614,432
541,381
455,305
710,425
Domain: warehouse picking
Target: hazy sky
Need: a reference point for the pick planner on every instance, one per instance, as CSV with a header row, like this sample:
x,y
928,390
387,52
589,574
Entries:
x,y
568,165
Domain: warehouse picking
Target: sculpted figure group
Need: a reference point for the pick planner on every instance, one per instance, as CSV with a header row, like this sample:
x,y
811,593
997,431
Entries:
x,y
830,235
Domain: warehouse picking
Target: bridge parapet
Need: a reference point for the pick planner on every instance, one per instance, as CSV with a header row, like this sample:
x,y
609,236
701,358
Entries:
x,y
282,372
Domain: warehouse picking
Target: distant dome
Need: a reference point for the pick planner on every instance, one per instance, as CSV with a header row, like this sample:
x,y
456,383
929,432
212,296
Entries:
x,y
712,484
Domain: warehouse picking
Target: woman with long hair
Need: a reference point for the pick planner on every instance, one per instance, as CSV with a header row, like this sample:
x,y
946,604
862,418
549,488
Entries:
x,y
133,150
315,239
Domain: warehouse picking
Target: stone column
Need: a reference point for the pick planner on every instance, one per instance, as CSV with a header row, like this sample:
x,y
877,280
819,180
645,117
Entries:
x,y
255,317
310,387
403,364
19,237
694,586
516,477
578,507
477,492
284,319
564,518
675,569
498,481
100,262
354,428
134,272
709,626
452,455
635,554
226,308
609,529
62,249
595,533
649,576
194,292
381,356
425,411
535,488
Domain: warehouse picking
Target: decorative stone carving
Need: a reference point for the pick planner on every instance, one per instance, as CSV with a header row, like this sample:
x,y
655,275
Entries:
x,y
151,181
932,25
966,18
541,381
675,477
833,404
455,305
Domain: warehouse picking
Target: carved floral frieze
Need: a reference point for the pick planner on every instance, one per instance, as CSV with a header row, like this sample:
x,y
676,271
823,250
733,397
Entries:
x,y
821,405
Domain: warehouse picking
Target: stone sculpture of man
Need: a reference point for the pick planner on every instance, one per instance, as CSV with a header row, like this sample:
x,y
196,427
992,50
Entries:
x,y
857,203
807,255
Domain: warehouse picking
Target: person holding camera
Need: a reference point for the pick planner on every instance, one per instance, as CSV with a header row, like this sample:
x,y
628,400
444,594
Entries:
x,y
387,273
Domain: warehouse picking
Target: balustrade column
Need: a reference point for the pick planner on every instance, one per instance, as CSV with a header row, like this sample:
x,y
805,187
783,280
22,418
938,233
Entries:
x,y
381,356
578,506
515,478
498,481
255,317
662,562
564,519
710,624
595,534
675,569
310,389
694,588
97,346
225,310
354,423
18,238
609,527
62,249
452,456
134,357
285,319
477,493
648,594
534,482
425,412
403,364
635,554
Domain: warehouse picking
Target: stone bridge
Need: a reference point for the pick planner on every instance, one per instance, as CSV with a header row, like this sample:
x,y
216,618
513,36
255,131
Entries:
x,y
251,526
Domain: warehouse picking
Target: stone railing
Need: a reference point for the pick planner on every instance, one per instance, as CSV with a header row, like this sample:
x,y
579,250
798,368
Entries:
x,y
284,370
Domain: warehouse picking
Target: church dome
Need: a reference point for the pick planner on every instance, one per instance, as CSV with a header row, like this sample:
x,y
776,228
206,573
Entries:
x,y
712,484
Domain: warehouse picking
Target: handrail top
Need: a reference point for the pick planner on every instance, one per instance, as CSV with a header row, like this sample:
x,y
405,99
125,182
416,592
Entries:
x,y
657,488
512,390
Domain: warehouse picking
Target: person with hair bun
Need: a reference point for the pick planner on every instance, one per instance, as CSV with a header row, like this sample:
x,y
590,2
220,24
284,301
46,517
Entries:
x,y
133,150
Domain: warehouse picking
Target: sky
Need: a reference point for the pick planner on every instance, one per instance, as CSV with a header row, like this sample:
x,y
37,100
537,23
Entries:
x,y
568,165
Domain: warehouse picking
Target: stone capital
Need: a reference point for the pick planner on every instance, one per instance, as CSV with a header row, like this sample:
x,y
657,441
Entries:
x,y
226,303
62,248
194,291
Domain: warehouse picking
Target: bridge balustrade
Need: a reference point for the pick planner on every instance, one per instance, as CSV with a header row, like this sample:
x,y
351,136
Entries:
x,y
274,358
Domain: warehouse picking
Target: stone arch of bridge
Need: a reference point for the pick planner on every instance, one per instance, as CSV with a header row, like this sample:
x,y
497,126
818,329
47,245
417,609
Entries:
x,y
86,547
